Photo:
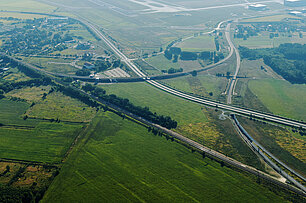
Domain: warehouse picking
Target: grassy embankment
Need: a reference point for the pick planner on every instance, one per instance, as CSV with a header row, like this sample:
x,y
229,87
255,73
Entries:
x,y
120,161
281,97
284,144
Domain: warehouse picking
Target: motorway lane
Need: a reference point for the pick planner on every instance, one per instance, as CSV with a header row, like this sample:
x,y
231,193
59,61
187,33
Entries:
x,y
238,110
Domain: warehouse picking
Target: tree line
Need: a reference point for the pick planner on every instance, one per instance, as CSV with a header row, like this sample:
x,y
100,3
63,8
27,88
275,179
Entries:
x,y
288,60
125,104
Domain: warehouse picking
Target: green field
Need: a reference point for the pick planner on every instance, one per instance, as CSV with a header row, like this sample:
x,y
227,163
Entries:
x,y
142,94
160,62
58,106
12,111
198,44
25,5
281,97
32,140
263,41
201,85
272,18
119,161
47,142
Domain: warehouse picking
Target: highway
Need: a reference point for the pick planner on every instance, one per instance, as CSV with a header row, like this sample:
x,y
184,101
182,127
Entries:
x,y
233,80
263,153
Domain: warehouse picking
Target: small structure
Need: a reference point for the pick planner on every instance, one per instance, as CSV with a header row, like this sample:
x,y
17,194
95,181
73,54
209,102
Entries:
x,y
88,66
295,3
296,13
258,7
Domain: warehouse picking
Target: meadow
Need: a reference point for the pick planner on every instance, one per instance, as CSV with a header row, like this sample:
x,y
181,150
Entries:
x,y
198,44
142,94
281,97
26,5
120,161
263,41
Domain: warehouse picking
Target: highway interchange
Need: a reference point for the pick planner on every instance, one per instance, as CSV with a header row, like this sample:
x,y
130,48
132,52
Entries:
x,y
234,109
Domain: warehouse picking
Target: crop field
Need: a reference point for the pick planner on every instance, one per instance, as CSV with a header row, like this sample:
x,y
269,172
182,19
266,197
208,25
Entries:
x,y
12,112
47,142
284,144
58,106
281,97
32,140
110,167
198,44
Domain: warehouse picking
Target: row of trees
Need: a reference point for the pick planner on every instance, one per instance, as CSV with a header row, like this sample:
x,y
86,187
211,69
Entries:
x,y
125,104
175,52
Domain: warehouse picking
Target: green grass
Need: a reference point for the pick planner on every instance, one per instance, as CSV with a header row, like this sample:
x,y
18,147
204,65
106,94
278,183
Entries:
x,y
284,144
198,44
273,18
56,105
25,5
32,140
160,62
120,161
281,97
12,111
202,85
142,94
263,41
47,142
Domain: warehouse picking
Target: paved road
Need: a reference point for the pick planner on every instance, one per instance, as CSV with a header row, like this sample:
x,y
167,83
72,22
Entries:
x,y
239,110
263,153
233,80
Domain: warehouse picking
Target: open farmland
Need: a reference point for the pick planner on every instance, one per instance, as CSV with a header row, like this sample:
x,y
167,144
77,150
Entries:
x,y
32,140
109,167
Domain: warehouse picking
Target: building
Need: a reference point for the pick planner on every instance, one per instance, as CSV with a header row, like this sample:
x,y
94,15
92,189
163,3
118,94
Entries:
x,y
295,3
258,7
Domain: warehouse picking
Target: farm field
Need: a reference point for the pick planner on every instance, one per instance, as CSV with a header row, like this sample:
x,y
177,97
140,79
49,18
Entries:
x,y
46,142
281,97
198,44
32,139
107,166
